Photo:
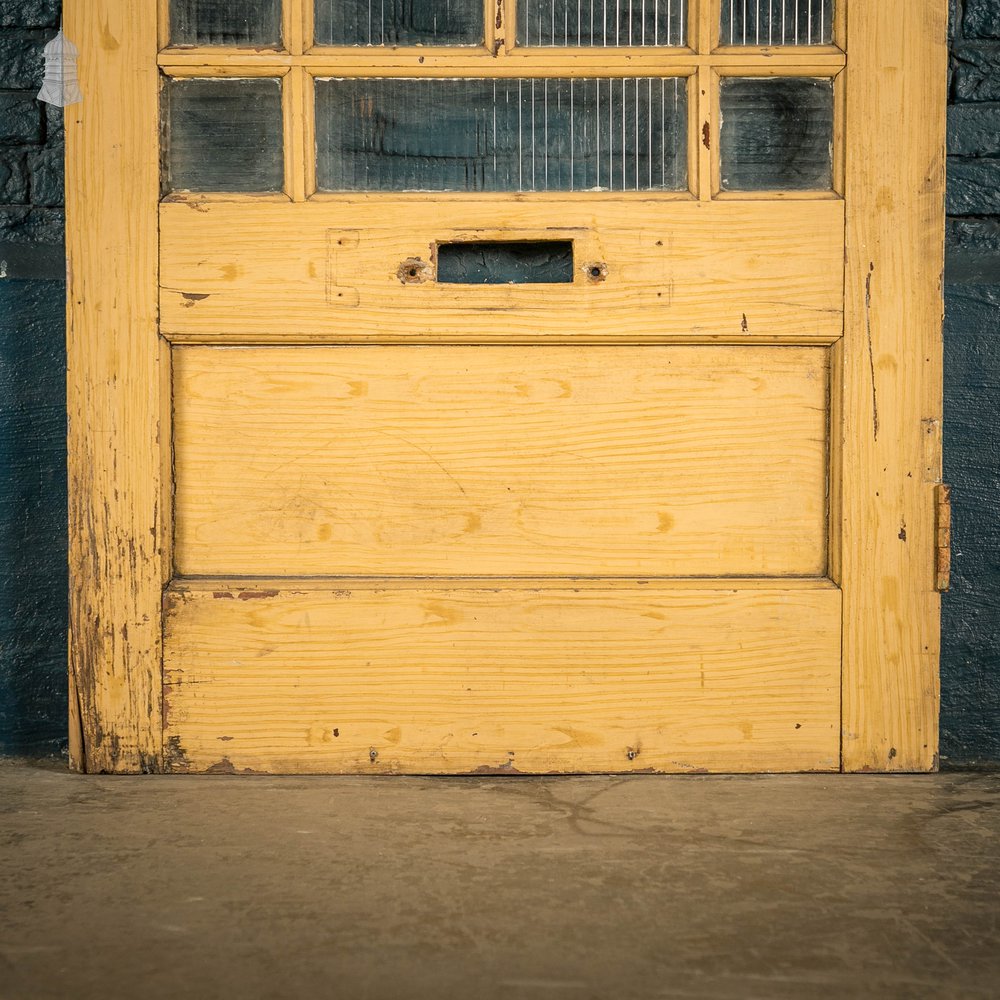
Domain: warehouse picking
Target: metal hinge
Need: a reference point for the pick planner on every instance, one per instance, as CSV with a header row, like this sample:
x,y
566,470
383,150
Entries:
x,y
942,537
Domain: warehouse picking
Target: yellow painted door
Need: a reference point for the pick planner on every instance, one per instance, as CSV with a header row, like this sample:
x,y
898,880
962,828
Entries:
x,y
486,391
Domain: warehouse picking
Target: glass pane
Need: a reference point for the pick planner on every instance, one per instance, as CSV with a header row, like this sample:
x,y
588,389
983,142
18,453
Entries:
x,y
777,22
776,133
399,22
502,135
225,22
601,22
224,135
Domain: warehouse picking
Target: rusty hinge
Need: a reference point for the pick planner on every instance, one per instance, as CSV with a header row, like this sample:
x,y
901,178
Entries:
x,y
942,537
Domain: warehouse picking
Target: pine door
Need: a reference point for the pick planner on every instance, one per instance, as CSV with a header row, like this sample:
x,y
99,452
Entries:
x,y
505,387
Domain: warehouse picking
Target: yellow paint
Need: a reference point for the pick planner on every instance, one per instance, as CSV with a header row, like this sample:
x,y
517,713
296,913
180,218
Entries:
x,y
447,677
667,461
728,400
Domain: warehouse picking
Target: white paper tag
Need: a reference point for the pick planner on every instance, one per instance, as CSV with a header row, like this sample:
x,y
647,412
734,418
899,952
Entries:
x,y
60,87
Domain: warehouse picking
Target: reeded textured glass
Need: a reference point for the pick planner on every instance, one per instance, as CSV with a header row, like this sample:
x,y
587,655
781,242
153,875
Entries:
x,y
225,22
399,22
777,22
601,22
501,135
223,135
776,134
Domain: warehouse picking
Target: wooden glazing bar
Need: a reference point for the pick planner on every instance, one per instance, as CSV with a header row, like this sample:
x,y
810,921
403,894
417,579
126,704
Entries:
x,y
358,61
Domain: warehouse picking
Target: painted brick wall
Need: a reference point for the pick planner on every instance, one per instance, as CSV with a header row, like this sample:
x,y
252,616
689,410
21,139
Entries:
x,y
33,583
970,676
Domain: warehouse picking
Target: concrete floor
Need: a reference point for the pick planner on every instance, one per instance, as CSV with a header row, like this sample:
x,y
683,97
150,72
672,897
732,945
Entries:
x,y
476,889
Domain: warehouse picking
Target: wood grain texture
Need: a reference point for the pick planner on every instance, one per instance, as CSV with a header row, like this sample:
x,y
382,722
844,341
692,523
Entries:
x,y
479,680
113,383
345,61
892,381
673,461
329,271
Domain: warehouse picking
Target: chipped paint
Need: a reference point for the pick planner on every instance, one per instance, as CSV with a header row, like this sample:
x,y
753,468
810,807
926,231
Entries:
x,y
256,595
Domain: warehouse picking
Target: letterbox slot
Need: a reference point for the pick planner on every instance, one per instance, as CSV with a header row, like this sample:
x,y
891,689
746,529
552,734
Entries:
x,y
514,262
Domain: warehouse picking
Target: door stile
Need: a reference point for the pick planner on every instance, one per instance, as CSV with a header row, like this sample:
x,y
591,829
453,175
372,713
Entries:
x,y
892,382
117,534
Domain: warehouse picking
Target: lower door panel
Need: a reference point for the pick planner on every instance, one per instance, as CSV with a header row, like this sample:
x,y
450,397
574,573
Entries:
x,y
686,676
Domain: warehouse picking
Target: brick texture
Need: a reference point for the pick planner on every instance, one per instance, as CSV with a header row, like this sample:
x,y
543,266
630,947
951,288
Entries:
x,y
31,133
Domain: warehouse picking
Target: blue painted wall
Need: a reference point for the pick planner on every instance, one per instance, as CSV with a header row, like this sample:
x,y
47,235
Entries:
x,y
970,667
33,581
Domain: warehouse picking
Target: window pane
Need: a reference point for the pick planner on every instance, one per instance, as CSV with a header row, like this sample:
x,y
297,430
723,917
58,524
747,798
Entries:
x,y
777,133
225,22
502,135
224,135
777,22
601,22
399,22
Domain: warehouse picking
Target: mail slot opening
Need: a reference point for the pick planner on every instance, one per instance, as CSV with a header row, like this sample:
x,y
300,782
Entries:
x,y
515,262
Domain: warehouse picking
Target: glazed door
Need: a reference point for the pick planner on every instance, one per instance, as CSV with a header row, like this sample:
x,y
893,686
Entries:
x,y
489,393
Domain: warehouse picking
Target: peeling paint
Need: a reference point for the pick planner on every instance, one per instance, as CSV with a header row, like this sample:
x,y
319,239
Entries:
x,y
256,595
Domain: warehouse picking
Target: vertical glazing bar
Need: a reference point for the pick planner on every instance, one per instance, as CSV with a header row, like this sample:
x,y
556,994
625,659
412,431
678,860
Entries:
x,y
704,133
809,22
784,20
163,24
770,22
495,184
